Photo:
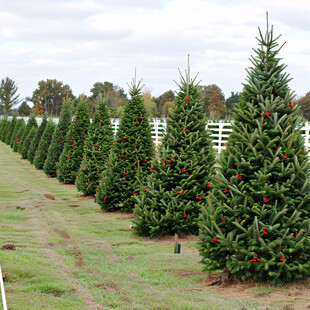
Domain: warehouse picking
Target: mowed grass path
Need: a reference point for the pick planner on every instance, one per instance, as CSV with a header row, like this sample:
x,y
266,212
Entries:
x,y
69,255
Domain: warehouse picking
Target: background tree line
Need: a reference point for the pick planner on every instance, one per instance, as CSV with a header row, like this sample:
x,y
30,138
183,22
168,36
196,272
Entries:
x,y
49,95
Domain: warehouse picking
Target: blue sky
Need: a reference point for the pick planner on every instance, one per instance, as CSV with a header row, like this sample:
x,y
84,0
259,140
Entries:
x,y
81,42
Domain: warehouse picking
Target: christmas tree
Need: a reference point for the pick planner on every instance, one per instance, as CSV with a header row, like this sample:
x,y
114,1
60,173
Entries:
x,y
130,156
27,141
179,182
71,157
46,139
97,148
57,144
8,138
36,140
5,128
19,129
31,123
256,224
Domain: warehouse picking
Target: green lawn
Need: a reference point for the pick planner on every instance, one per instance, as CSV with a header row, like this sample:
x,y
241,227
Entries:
x,y
69,255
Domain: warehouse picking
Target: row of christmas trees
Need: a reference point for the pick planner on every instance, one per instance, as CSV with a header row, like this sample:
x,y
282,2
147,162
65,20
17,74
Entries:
x,y
253,213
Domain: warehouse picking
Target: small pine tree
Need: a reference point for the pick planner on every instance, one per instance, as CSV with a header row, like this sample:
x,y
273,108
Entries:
x,y
19,134
97,148
131,154
70,159
31,123
256,224
10,130
46,139
36,140
28,140
178,185
20,123
5,128
58,141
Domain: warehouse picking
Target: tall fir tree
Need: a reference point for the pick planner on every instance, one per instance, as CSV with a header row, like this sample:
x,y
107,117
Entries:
x,y
19,123
256,224
46,139
10,130
179,183
130,156
31,123
97,148
72,154
20,127
58,141
36,140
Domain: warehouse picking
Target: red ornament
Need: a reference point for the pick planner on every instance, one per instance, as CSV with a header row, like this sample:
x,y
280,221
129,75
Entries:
x,y
268,113
134,193
82,158
215,239
285,156
122,155
183,130
208,185
239,218
184,170
181,190
255,259
115,142
226,190
151,170
125,137
282,258
187,98
152,150
239,176
184,215
63,172
136,168
85,166
136,123
223,220
105,197
73,144
197,197
88,182
164,162
141,117
68,158
99,185
136,143
265,200
125,172
98,171
171,159
264,231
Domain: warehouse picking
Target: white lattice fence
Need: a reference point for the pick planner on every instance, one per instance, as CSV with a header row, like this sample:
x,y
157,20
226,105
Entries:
x,y
219,131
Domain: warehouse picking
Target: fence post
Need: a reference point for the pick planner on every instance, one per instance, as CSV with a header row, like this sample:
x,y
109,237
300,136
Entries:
x,y
2,291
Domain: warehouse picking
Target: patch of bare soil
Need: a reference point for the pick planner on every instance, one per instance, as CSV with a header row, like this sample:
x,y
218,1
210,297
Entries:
x,y
231,287
5,277
63,233
129,258
49,196
110,287
20,208
185,273
8,246
78,257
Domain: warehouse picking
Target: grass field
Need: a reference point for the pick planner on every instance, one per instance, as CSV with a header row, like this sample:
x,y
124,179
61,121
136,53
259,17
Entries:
x,y
69,255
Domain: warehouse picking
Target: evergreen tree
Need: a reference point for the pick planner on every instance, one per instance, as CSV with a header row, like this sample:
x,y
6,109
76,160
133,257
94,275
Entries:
x,y
97,148
20,130
130,156
4,132
28,140
179,182
70,159
8,138
20,122
31,123
46,139
57,144
256,223
36,140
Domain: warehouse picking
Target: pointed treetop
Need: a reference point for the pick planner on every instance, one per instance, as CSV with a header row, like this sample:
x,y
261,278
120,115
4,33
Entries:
x,y
135,87
186,81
